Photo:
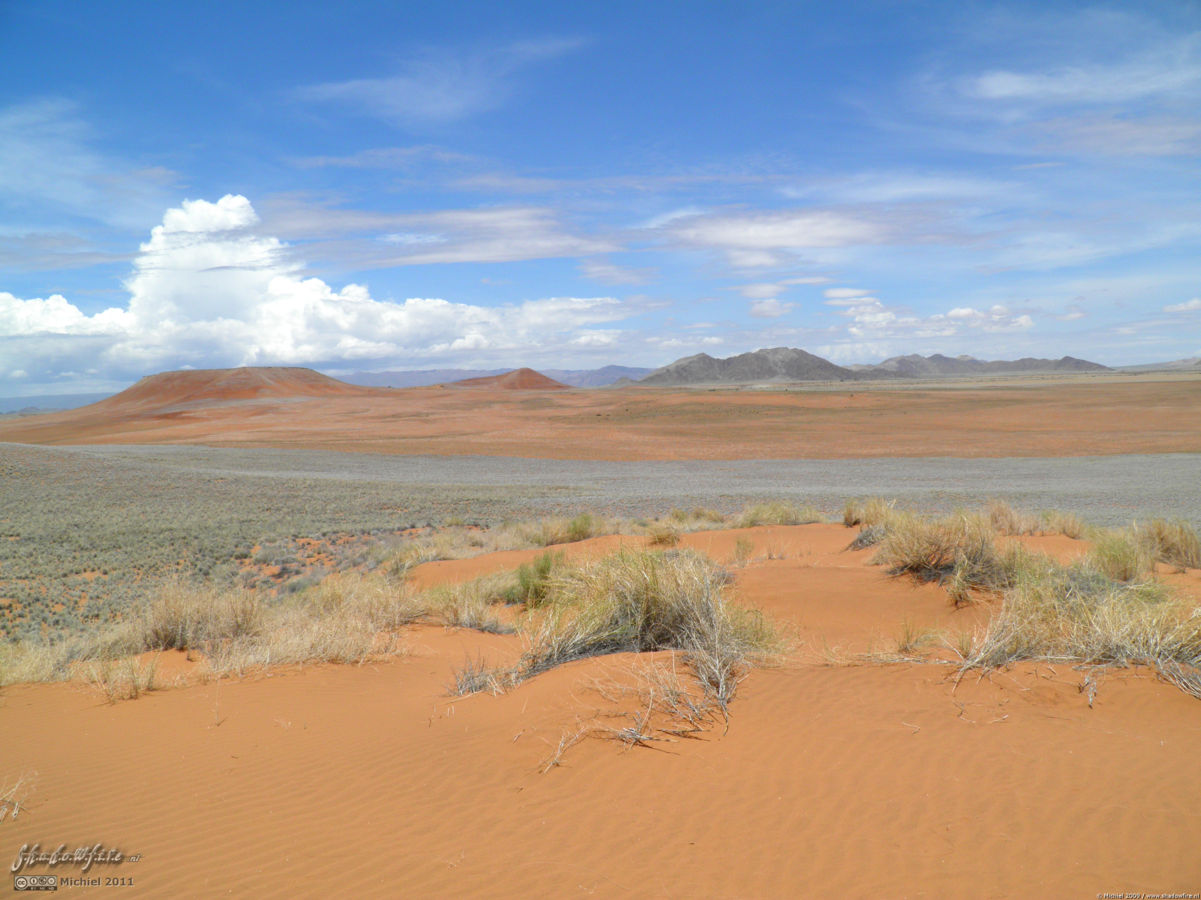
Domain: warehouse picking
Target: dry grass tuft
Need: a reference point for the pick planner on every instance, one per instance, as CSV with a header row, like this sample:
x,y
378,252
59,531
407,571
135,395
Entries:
x,y
1068,524
14,794
1121,555
647,600
778,513
958,551
1077,613
867,513
697,518
476,677
125,679
1174,543
663,534
470,604
534,578
187,617
1007,520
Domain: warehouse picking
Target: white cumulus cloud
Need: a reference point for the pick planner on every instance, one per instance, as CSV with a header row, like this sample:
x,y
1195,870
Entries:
x,y
208,290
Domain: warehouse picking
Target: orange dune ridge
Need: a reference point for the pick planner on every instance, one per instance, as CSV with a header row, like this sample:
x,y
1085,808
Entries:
x,y
834,776
514,415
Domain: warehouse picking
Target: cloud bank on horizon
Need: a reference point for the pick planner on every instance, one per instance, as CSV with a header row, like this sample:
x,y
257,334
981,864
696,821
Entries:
x,y
1009,179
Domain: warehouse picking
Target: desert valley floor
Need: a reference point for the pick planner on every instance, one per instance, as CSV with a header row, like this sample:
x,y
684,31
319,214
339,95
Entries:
x,y
850,765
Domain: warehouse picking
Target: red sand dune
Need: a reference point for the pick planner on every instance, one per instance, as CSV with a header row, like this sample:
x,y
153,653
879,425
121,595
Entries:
x,y
518,380
833,778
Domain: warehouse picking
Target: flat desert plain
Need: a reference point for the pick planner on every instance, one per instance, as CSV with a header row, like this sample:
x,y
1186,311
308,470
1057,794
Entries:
x,y
859,760
1046,417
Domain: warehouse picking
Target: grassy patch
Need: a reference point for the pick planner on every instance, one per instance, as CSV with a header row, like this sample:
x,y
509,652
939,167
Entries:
x,y
1121,555
646,600
958,551
778,513
534,578
663,534
868,512
1077,613
1174,543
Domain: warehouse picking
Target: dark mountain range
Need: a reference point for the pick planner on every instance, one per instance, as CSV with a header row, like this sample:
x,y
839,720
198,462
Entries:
x,y
926,366
779,364
783,364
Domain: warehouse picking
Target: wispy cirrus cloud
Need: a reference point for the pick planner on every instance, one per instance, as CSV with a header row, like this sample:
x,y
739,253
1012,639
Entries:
x,y
48,165
1193,305
773,238
437,87
374,239
608,272
385,158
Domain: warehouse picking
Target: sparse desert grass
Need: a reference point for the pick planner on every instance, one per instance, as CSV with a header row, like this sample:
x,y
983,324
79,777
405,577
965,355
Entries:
x,y
1121,555
778,512
914,640
14,792
697,518
958,551
125,679
470,604
476,676
534,578
667,710
646,600
1065,523
1007,520
867,513
569,531
187,617
1174,543
1079,614
663,534
1102,610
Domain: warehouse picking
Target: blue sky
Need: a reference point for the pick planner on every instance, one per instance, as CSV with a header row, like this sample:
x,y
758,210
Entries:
x,y
371,186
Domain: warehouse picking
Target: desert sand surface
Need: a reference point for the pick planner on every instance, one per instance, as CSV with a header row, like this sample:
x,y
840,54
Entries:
x,y
1044,417
835,775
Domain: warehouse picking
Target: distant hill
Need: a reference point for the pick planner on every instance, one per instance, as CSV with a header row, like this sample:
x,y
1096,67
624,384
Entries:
x,y
201,386
927,366
779,364
517,380
1192,364
602,377
41,403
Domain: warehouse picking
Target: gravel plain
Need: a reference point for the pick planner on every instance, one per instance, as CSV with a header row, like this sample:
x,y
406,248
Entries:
x,y
87,530
1105,490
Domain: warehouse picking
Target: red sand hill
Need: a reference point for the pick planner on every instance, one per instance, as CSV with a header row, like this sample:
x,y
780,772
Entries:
x,y
172,407
217,386
517,380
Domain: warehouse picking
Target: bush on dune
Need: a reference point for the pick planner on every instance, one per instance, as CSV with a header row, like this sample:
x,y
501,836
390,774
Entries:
x,y
645,600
